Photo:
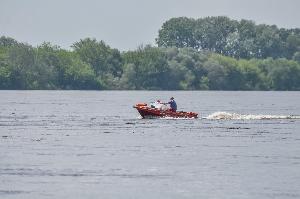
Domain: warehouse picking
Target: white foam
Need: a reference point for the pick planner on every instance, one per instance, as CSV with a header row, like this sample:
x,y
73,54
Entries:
x,y
236,116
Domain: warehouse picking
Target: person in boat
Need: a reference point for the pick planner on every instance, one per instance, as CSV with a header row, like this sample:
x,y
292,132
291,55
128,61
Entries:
x,y
157,104
161,106
173,104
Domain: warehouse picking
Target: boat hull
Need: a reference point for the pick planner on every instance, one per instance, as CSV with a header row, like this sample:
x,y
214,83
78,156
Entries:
x,y
148,112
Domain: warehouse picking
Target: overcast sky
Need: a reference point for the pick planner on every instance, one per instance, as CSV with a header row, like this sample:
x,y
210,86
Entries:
x,y
126,24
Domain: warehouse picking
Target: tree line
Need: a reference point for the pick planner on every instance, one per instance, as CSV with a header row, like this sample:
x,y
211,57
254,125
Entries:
x,y
173,65
239,39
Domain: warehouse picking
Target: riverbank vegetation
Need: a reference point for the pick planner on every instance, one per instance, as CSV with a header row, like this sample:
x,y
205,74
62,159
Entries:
x,y
213,53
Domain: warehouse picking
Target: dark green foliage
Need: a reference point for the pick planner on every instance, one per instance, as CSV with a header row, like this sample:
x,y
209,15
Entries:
x,y
239,39
21,63
296,56
94,53
7,42
106,63
177,32
145,68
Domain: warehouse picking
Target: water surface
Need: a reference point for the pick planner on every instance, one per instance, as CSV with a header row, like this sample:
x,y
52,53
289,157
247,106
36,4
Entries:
x,y
92,144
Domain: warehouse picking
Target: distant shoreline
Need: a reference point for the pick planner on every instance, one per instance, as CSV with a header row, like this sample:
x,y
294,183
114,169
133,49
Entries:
x,y
211,53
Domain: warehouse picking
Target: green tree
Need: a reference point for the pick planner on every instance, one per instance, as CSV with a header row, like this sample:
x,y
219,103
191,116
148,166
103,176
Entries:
x,y
215,74
293,44
296,57
177,32
240,44
79,75
267,42
238,39
7,41
47,66
232,75
5,74
149,65
284,75
100,56
212,33
21,60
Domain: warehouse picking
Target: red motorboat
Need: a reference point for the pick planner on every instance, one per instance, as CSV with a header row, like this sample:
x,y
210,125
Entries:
x,y
150,112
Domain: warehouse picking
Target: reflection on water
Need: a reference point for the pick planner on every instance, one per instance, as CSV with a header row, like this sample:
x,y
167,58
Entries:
x,y
77,144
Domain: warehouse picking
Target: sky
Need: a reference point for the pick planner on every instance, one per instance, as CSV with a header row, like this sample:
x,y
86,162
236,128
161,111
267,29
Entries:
x,y
127,24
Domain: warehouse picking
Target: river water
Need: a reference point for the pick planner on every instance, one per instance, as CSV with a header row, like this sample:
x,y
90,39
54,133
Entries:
x,y
93,144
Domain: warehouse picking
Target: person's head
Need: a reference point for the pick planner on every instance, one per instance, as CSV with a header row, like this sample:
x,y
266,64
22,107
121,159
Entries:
x,y
171,98
158,101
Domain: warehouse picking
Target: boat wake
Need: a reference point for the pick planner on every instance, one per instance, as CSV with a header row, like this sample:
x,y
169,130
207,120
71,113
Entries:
x,y
236,116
